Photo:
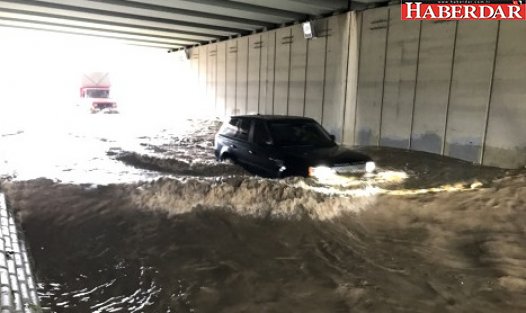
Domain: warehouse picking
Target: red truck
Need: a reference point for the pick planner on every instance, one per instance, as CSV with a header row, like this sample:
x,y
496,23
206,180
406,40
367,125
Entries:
x,y
95,93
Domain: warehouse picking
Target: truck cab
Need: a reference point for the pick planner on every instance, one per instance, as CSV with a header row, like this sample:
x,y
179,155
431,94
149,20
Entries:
x,y
97,99
95,93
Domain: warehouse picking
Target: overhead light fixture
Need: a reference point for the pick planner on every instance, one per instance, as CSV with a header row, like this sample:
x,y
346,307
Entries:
x,y
308,30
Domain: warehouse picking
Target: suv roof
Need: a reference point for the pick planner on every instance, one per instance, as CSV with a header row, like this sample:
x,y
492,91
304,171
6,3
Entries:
x,y
273,117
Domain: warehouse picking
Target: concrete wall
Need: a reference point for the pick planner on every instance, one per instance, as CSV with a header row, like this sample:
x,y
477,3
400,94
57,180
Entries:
x,y
451,88
279,72
371,74
231,77
505,140
399,83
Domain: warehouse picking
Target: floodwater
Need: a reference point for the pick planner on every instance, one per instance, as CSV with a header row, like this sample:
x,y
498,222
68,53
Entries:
x,y
121,217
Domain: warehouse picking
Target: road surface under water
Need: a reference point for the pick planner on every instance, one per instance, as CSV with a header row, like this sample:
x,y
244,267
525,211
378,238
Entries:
x,y
147,221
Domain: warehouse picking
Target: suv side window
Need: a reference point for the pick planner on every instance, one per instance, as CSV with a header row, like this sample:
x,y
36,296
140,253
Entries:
x,y
230,129
244,129
260,134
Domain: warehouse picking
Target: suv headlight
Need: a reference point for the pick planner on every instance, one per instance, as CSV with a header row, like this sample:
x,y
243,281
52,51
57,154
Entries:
x,y
370,166
321,172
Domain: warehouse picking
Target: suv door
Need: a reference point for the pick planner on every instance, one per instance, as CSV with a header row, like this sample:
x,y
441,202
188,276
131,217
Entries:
x,y
261,149
225,141
241,146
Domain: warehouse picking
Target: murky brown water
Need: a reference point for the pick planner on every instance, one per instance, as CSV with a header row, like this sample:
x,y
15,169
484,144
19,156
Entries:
x,y
446,237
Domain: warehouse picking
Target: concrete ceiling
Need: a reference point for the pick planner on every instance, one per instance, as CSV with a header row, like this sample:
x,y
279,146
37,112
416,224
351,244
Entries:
x,y
169,24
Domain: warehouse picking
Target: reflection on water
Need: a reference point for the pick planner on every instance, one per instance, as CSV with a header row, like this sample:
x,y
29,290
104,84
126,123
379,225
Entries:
x,y
424,234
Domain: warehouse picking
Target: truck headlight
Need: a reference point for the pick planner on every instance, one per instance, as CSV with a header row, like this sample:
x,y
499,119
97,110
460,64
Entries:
x,y
370,166
321,172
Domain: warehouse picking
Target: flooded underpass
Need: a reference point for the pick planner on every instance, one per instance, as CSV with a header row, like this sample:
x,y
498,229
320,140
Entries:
x,y
148,222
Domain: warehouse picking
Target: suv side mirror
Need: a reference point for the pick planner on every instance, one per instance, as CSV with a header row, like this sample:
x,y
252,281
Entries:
x,y
333,138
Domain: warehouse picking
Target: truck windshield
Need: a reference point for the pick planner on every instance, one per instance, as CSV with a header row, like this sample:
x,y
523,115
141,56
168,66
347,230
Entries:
x,y
299,133
97,93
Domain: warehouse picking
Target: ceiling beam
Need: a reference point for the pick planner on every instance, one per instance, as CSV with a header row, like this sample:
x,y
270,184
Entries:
x,y
108,13
105,25
188,13
31,9
109,6
229,8
309,7
103,32
178,22
326,5
71,31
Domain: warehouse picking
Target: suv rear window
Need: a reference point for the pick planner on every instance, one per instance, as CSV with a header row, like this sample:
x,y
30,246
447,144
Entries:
x,y
229,129
244,129
237,127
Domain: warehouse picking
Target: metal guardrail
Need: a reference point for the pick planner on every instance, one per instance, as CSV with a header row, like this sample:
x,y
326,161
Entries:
x,y
17,284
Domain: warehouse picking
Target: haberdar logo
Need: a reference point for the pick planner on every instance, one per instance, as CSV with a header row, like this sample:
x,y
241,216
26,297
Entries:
x,y
464,10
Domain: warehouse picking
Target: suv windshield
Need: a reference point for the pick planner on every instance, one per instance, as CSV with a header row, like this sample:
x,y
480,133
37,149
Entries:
x,y
299,133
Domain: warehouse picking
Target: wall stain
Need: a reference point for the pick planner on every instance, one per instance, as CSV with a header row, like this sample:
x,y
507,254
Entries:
x,y
428,142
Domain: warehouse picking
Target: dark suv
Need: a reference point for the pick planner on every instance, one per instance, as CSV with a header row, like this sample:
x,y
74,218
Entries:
x,y
279,146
